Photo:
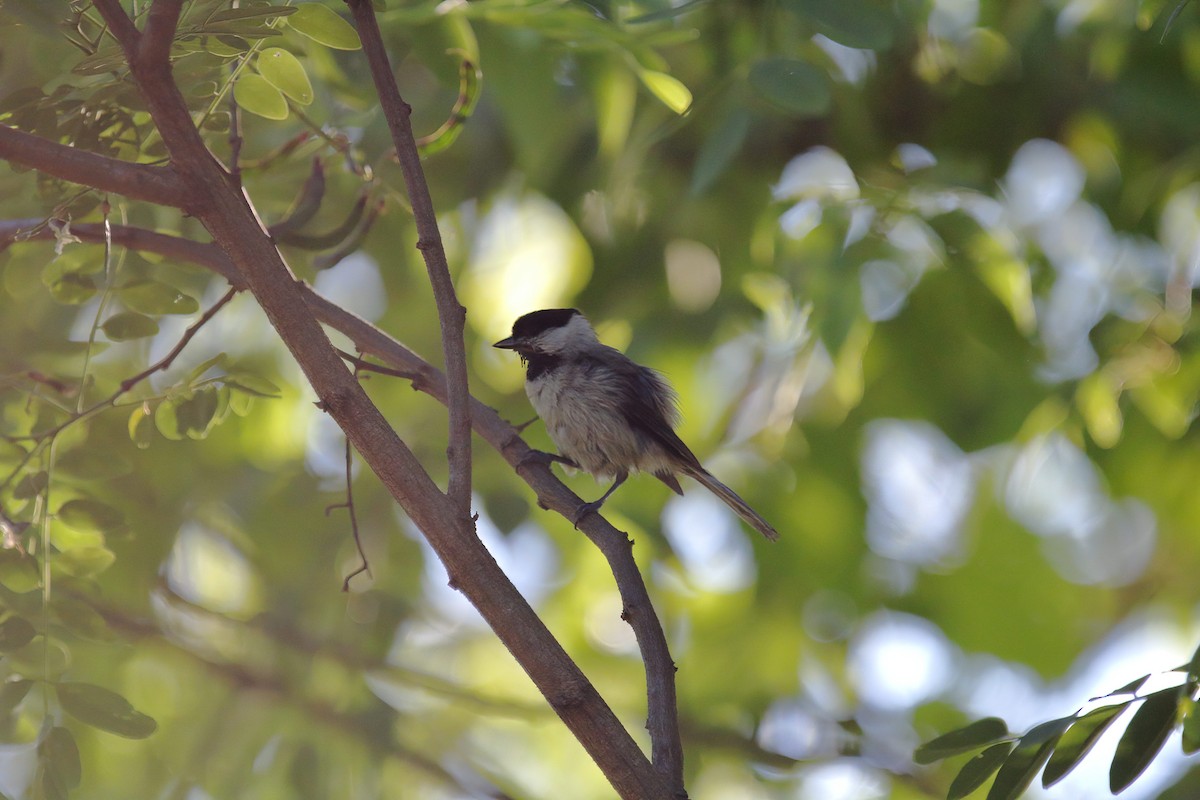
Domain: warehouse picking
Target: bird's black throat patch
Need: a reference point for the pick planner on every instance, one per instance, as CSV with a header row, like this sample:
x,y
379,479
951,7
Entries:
x,y
538,364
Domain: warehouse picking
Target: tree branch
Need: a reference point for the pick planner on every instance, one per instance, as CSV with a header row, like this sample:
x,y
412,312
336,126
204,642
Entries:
x,y
638,611
662,715
119,23
451,314
227,214
151,184
161,22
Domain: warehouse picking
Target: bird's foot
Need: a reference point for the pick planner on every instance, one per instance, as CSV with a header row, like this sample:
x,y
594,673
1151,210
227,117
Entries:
x,y
545,459
585,509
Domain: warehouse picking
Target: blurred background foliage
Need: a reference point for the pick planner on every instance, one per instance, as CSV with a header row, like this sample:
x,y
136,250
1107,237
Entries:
x,y
922,273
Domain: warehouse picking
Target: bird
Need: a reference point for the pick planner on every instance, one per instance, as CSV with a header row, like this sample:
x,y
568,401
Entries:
x,y
607,415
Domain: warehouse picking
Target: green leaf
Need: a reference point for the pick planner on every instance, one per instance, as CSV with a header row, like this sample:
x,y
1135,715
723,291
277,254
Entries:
x,y
191,415
322,25
199,413
1193,667
1145,736
1027,758
140,431
128,325
256,94
285,72
167,421
85,562
73,289
255,385
198,371
15,633
1191,731
89,463
12,692
104,709
1078,741
252,12
60,757
1129,688
719,149
971,737
85,514
793,86
80,619
977,770
671,91
853,23
31,485
152,297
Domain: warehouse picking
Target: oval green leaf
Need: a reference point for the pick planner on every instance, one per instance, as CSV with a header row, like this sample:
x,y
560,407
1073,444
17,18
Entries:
x,y
671,91
12,692
255,385
977,770
73,289
1027,758
152,297
255,94
719,149
196,415
93,464
1191,731
140,432
1078,741
854,23
80,619
792,86
989,730
85,514
126,325
254,12
285,72
85,562
31,485
15,633
104,709
60,756
1145,736
322,25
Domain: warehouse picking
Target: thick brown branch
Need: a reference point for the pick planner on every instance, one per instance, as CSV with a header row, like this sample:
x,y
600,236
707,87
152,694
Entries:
x,y
161,21
137,181
119,23
451,314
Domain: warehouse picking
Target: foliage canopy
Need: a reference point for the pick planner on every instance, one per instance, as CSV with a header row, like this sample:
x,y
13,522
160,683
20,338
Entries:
x,y
922,273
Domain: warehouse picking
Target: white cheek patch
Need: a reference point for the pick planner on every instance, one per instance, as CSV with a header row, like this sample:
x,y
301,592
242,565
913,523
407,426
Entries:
x,y
575,334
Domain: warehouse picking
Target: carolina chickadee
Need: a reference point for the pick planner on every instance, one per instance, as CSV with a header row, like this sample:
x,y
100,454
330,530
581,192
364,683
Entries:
x,y
606,414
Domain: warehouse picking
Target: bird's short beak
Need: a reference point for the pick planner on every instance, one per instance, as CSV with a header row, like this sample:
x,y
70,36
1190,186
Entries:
x,y
507,344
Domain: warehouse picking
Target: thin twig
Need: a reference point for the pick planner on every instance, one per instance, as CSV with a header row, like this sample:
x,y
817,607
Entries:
x,y
169,358
451,314
364,565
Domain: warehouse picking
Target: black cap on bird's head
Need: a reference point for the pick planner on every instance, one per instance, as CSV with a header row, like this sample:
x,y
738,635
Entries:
x,y
536,331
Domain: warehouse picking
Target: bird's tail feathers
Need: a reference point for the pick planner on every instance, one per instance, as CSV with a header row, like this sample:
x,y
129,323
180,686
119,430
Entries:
x,y
731,499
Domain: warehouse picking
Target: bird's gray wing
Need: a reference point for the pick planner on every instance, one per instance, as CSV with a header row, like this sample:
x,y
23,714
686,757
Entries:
x,y
648,403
